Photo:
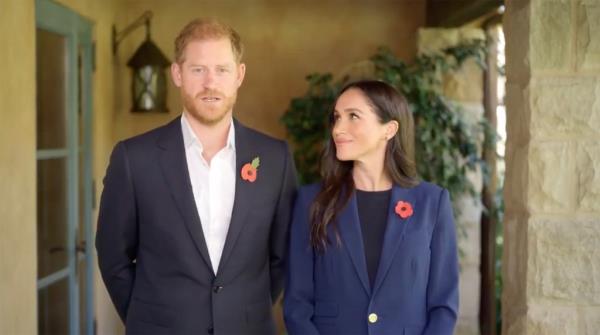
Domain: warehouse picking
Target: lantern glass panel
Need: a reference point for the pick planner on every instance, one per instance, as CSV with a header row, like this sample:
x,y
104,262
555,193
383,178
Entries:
x,y
144,88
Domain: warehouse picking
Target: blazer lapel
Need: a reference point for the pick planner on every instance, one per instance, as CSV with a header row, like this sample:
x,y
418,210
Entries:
x,y
174,167
349,227
244,153
394,233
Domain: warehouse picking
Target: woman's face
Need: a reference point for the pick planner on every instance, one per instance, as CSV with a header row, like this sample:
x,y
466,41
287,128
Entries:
x,y
357,132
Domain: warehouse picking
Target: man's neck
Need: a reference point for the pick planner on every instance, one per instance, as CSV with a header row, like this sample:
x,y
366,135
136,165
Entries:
x,y
213,137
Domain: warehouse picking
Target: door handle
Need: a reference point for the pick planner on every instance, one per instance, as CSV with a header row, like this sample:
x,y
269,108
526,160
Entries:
x,y
81,247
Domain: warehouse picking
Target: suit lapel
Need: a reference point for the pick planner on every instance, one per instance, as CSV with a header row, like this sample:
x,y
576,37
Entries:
x,y
349,227
394,233
174,167
244,153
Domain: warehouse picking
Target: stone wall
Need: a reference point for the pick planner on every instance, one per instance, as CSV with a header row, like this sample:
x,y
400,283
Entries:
x,y
552,190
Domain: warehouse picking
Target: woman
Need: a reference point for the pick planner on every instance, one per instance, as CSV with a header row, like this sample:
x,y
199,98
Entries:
x,y
372,249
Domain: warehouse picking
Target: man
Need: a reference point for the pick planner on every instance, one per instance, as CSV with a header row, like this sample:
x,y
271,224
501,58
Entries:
x,y
194,215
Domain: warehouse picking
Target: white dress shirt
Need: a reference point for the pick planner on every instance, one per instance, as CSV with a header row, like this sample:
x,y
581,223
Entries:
x,y
213,186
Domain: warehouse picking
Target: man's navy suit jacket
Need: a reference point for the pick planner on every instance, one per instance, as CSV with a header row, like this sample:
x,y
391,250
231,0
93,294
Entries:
x,y
416,286
152,252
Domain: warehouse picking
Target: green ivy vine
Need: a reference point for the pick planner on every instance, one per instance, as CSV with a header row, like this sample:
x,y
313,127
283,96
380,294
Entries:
x,y
446,145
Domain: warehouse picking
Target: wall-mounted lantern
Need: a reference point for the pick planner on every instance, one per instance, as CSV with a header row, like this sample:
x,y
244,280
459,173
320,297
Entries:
x,y
148,63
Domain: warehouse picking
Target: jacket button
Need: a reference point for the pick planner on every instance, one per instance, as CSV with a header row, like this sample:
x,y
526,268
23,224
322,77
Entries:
x,y
372,318
217,289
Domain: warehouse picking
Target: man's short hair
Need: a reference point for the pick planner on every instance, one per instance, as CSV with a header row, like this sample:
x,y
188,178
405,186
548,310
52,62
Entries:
x,y
205,29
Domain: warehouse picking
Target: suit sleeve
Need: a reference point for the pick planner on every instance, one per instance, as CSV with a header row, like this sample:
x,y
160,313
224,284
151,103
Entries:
x,y
442,288
299,296
117,236
280,228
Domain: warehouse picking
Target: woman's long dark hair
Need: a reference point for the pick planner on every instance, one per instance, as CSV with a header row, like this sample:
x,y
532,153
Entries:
x,y
337,182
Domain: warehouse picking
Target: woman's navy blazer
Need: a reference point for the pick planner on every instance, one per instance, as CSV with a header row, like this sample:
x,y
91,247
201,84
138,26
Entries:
x,y
416,287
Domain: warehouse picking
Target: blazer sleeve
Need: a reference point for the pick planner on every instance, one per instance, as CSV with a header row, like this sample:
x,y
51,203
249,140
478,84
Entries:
x,y
117,236
442,288
280,229
299,301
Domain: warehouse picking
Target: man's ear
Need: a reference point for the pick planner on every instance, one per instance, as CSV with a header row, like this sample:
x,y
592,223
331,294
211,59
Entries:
x,y
176,74
241,73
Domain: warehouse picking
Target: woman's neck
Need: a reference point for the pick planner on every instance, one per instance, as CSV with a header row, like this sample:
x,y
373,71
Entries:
x,y
370,177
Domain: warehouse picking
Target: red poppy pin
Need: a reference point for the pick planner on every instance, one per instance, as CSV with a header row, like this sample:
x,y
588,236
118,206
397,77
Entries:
x,y
249,170
404,209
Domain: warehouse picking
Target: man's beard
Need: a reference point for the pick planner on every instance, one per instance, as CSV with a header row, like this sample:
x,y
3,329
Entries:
x,y
206,114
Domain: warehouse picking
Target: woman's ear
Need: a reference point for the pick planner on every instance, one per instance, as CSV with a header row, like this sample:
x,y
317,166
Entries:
x,y
391,129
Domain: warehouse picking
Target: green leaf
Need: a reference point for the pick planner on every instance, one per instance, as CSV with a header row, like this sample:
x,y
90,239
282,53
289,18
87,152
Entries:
x,y
255,162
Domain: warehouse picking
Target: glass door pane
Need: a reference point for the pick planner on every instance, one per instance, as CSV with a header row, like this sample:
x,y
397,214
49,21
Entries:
x,y
51,62
53,309
52,224
52,184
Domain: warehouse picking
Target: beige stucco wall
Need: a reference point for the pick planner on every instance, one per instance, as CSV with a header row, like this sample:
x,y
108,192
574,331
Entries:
x,y
18,314
284,41
551,257
18,294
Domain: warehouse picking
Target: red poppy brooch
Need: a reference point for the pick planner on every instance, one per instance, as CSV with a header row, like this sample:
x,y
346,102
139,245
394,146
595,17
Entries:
x,y
249,170
404,209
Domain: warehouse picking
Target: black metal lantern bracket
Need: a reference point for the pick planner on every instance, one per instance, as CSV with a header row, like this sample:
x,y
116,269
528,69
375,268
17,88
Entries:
x,y
117,37
149,85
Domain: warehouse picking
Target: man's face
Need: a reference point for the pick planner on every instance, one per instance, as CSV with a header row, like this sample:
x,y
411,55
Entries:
x,y
208,79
